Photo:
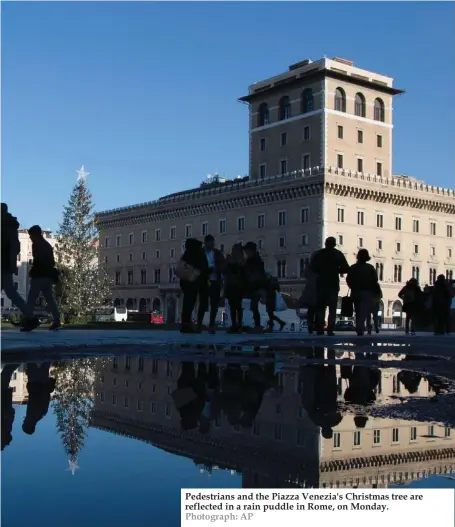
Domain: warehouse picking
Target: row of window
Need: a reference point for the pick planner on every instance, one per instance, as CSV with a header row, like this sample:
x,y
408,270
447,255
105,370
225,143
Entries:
x,y
377,440
361,216
307,105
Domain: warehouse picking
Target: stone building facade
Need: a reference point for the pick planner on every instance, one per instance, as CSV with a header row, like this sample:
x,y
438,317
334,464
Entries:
x,y
283,448
320,165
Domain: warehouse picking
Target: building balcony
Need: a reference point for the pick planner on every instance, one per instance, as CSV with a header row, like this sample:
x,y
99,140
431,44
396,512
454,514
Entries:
x,y
169,286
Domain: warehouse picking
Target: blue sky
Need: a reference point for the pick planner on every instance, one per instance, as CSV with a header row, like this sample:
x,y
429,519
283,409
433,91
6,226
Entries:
x,y
145,94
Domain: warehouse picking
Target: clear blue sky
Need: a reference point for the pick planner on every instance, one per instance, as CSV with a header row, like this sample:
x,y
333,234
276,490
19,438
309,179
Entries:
x,y
145,94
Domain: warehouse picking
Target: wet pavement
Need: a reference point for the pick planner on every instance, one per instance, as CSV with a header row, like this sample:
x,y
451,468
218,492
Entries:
x,y
109,438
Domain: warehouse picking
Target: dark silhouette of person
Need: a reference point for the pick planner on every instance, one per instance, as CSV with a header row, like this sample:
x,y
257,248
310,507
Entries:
x,y
309,297
11,248
39,387
43,276
322,404
362,279
255,280
234,285
272,287
192,290
328,264
412,298
210,292
441,301
8,412
362,384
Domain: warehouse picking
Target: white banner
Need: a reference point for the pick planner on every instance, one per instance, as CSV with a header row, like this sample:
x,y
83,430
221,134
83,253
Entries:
x,y
343,507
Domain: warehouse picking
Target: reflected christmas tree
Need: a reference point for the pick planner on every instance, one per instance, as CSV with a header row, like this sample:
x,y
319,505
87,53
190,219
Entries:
x,y
73,401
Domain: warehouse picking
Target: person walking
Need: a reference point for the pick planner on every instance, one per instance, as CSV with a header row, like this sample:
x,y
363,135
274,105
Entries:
x,y
11,247
193,279
328,264
309,296
211,290
441,300
376,300
411,295
255,280
43,276
234,284
362,279
272,287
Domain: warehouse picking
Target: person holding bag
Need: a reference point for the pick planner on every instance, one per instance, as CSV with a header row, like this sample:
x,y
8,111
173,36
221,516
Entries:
x,y
193,272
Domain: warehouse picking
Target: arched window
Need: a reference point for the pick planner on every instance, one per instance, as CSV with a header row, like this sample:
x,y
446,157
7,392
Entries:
x,y
263,114
284,108
397,273
379,110
380,271
359,105
307,100
340,100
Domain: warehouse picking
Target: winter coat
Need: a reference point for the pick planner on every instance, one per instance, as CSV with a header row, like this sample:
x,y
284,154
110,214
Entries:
x,y
255,273
441,297
10,243
43,259
412,297
194,255
329,264
362,277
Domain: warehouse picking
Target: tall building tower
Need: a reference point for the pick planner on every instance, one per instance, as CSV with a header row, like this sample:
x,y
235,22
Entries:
x,y
323,113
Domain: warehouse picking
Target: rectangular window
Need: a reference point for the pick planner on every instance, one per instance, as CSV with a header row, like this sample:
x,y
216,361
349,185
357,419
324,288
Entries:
x,y
131,257
130,277
398,247
395,435
340,132
305,215
172,253
157,276
118,258
376,437
433,228
284,139
188,231
306,161
114,399
282,242
143,276
157,254
398,222
263,144
204,228
359,164
144,237
380,245
282,218
379,221
360,217
173,233
144,255
357,438
359,136
379,169
241,224
306,133
260,243
118,240
340,240
281,268
416,249
117,278
107,242
360,243
340,160
415,226
340,215
283,166
131,238
336,440
304,240
157,235
261,221
379,141
413,433
449,230
222,226
140,405
262,171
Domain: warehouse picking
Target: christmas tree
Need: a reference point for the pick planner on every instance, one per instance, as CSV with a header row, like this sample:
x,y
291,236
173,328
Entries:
x,y
73,401
84,283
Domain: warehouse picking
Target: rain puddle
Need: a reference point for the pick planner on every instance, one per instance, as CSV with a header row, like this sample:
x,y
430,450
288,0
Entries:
x,y
121,435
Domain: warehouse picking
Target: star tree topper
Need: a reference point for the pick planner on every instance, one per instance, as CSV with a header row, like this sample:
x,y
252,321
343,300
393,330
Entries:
x,y
73,466
82,174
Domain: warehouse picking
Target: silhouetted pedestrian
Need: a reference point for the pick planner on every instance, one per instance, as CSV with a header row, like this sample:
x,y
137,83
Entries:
x,y
411,295
441,300
309,296
328,264
234,284
255,280
43,276
362,279
11,248
39,388
272,287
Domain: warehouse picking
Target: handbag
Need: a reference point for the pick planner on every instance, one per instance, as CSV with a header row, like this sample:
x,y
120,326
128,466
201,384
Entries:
x,y
347,306
186,272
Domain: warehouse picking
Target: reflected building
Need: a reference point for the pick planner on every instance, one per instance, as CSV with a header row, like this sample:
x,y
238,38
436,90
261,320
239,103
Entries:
x,y
283,447
18,384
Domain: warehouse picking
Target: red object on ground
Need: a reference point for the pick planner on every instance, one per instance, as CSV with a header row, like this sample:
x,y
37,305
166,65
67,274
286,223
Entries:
x,y
157,318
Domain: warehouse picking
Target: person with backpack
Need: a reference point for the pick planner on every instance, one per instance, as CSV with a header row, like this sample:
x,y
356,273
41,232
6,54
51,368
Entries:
x,y
11,247
411,295
43,276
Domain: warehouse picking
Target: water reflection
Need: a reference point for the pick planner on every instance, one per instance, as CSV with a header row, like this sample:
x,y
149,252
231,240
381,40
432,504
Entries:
x,y
276,423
